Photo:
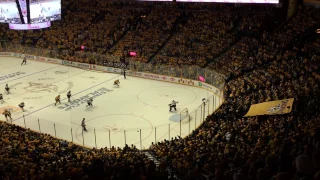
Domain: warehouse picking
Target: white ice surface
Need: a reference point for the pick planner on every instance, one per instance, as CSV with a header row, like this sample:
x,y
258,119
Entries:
x,y
52,8
10,9
118,116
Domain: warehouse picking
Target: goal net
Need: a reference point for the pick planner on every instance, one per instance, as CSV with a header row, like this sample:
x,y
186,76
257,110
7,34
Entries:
x,y
184,116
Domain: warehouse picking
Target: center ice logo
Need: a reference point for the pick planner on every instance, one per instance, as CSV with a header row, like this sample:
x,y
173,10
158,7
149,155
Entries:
x,y
278,108
41,87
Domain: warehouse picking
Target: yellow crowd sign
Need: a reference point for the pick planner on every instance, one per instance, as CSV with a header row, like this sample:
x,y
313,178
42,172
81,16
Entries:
x,y
283,106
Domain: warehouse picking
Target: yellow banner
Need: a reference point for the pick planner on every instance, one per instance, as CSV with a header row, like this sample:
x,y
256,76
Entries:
x,y
271,108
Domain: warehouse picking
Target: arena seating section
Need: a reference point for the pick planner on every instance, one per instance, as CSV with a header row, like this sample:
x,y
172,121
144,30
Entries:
x,y
260,65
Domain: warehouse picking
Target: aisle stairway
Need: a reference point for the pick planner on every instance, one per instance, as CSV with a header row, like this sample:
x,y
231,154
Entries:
x,y
173,32
132,26
151,157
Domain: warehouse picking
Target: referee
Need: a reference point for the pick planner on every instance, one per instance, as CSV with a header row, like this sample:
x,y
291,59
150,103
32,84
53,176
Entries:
x,y
83,125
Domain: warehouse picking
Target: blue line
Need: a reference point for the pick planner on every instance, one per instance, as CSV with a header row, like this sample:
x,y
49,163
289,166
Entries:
x,y
66,98
29,75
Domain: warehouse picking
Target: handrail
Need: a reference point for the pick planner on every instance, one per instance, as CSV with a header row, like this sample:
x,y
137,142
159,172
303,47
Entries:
x,y
282,24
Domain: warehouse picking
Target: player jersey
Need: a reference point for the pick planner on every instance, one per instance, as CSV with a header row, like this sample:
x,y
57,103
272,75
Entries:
x,y
6,112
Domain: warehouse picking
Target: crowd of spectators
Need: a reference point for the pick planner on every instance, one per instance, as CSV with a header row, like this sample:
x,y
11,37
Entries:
x,y
250,52
227,140
109,27
29,155
66,32
231,139
171,33
260,67
197,42
148,34
252,24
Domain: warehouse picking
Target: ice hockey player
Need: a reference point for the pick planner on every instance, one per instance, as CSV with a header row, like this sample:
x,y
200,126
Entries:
x,y
116,82
1,98
21,105
173,105
69,96
204,101
24,60
57,100
124,73
83,125
7,89
89,102
7,114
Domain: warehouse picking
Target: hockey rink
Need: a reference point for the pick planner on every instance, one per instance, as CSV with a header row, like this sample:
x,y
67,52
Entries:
x,y
136,113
